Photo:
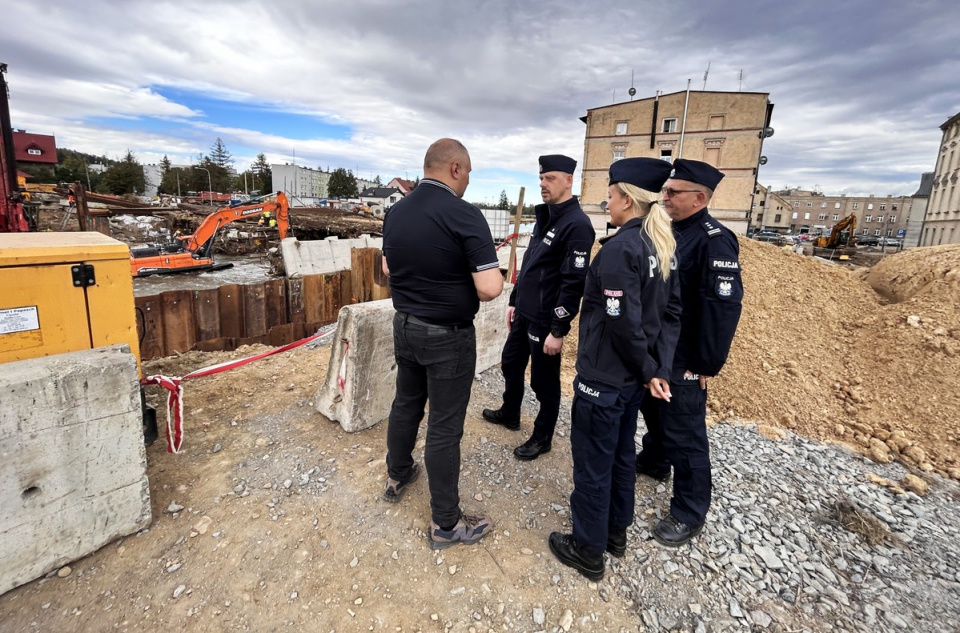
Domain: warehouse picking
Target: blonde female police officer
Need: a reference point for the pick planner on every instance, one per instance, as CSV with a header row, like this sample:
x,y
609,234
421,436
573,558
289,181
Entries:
x,y
629,325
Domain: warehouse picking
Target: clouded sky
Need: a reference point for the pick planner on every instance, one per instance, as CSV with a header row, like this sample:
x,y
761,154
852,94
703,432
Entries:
x,y
861,87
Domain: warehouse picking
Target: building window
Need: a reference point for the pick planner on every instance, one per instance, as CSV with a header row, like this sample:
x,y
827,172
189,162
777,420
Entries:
x,y
823,205
809,204
867,218
617,154
669,125
883,206
621,128
836,205
776,218
34,152
806,216
879,218
796,203
822,216
716,122
889,232
856,205
893,218
876,232
893,208
794,215
864,232
870,206
666,154
836,216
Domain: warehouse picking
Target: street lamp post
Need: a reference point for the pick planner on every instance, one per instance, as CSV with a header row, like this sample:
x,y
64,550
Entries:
x,y
209,182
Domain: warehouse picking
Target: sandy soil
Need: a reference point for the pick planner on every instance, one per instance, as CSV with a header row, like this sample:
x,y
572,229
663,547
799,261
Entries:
x,y
271,517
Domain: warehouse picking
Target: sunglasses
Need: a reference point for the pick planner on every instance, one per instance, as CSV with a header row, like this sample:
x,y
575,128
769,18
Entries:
x,y
668,191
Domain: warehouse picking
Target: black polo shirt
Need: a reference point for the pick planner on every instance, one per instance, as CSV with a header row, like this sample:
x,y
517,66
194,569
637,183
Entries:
x,y
434,242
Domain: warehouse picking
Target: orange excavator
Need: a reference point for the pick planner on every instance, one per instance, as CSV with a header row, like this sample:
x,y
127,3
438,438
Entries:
x,y
195,252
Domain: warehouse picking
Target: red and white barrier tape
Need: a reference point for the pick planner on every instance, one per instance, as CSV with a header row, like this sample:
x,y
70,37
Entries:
x,y
174,386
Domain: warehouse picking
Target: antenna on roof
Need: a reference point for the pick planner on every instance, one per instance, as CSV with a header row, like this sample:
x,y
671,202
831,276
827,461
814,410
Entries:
x,y
707,72
632,90
614,99
740,87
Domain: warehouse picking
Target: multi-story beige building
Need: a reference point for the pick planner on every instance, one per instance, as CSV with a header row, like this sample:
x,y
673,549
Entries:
x,y
942,223
770,211
812,211
725,129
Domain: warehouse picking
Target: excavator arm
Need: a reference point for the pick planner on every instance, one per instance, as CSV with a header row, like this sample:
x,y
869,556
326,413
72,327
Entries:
x,y
202,240
848,223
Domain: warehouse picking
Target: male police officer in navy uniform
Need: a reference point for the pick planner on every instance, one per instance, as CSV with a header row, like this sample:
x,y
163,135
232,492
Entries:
x,y
711,293
544,301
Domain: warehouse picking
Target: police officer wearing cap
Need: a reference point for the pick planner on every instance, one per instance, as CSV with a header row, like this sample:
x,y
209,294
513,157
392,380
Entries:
x,y
711,291
544,301
628,331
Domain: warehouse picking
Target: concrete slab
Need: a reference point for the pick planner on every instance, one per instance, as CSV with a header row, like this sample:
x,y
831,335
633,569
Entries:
x,y
319,257
361,378
73,468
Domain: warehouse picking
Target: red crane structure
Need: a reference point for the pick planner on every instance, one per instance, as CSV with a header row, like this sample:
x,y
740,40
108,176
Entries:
x,y
12,219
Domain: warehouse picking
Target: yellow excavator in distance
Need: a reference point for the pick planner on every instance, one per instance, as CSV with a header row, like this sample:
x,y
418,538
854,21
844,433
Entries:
x,y
841,235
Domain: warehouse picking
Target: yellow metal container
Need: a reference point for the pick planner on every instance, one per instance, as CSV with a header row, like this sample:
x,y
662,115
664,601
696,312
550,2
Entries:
x,y
64,292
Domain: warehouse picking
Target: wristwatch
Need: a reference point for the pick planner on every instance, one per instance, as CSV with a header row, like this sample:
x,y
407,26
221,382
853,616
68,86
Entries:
x,y
557,333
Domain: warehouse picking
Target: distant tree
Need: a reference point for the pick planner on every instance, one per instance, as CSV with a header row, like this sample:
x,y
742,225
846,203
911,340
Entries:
x,y
263,175
125,177
343,184
377,181
165,164
220,156
175,181
504,201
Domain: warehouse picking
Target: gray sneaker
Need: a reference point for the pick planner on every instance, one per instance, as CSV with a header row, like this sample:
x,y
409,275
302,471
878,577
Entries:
x,y
395,489
468,530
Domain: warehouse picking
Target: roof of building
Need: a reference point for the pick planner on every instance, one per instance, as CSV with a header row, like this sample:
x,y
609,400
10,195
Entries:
x,y
669,94
405,186
379,192
926,185
950,121
23,142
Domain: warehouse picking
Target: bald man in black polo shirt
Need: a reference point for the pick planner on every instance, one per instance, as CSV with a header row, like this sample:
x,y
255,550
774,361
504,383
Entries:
x,y
439,254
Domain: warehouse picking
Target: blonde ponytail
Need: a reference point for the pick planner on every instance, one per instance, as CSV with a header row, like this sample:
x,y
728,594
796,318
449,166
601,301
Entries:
x,y
656,224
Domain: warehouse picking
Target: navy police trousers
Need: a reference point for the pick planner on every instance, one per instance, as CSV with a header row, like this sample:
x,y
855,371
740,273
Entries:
x,y
603,426
677,436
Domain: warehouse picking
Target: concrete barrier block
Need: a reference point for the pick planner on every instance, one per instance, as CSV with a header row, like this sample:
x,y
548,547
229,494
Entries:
x,y
320,257
73,468
361,378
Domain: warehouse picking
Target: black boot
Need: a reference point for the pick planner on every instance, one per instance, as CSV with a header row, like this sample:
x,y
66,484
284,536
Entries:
x,y
672,533
532,449
617,541
643,468
565,548
496,416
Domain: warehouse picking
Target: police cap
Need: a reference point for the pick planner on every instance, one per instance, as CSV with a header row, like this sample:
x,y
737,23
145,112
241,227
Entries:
x,y
698,172
646,173
557,162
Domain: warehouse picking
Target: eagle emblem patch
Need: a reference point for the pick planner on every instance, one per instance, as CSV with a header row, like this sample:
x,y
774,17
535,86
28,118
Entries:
x,y
579,261
613,308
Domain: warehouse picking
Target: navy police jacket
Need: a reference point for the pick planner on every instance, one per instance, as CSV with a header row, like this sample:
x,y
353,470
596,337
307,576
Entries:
x,y
631,316
711,290
550,283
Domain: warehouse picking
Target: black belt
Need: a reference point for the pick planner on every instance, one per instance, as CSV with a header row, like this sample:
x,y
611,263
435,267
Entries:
x,y
409,318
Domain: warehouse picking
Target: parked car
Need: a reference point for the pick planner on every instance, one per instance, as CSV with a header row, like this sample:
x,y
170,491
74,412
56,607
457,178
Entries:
x,y
868,240
890,241
771,237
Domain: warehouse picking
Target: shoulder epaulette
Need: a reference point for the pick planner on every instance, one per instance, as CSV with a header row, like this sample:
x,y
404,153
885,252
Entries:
x,y
710,226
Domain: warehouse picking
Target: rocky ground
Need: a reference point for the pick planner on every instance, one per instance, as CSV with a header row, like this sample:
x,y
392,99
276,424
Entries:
x,y
271,517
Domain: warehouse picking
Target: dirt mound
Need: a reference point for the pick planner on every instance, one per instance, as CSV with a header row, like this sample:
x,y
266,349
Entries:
x,y
819,352
934,271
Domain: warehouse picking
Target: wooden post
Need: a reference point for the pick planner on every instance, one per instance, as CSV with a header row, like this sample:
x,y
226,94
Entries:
x,y
512,268
80,194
